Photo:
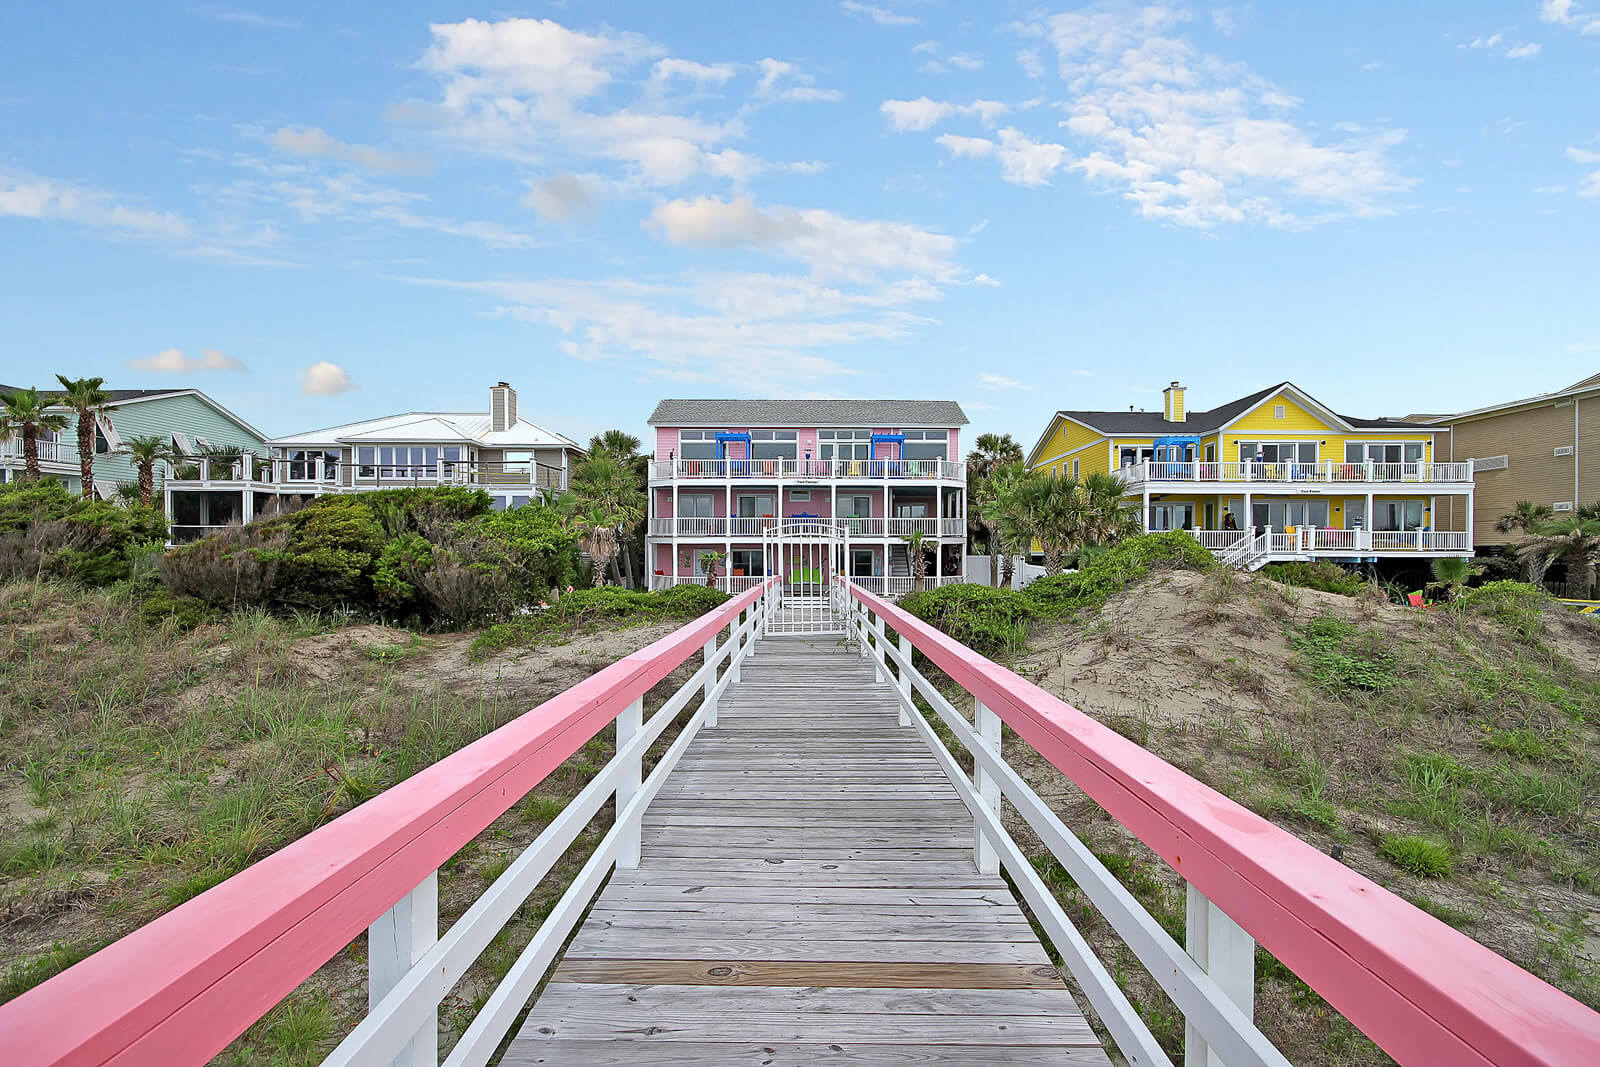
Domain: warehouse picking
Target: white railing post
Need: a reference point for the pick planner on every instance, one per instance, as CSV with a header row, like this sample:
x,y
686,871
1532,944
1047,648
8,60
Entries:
x,y
987,727
394,943
711,682
905,679
736,635
629,723
1226,953
877,648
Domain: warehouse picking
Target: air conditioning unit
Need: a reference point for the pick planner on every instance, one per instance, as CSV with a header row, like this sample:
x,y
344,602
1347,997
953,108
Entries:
x,y
1561,505
1564,450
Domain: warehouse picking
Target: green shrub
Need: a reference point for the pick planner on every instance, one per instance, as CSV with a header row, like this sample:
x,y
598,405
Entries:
x,y
1517,606
1111,571
1340,657
1418,855
187,612
982,618
433,556
48,532
1318,574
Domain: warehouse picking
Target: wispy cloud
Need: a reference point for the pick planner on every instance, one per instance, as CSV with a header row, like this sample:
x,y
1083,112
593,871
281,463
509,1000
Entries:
x,y
242,17
1589,184
999,381
314,143
173,361
881,15
1023,161
35,197
923,113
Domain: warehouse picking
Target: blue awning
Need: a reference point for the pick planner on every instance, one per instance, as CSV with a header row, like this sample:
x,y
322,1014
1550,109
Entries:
x,y
897,438
724,438
1177,439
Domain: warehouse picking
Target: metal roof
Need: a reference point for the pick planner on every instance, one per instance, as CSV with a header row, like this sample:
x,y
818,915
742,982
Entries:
x,y
868,413
433,427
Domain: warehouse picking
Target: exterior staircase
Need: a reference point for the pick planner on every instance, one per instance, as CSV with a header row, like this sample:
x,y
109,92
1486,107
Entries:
x,y
899,561
1249,553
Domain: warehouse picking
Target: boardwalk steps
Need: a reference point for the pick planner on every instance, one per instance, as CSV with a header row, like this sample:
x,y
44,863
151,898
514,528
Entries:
x,y
806,895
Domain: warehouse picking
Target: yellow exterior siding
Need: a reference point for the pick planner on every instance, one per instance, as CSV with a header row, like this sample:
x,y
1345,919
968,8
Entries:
x,y
1071,437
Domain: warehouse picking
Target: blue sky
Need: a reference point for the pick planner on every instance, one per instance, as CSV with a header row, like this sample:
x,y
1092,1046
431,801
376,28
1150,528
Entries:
x,y
318,213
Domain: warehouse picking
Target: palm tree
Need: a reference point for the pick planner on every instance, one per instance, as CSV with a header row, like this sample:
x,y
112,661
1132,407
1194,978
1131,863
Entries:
x,y
624,448
992,452
1453,573
597,536
917,551
993,502
1572,541
88,398
24,414
1053,505
1106,515
602,483
1525,516
146,452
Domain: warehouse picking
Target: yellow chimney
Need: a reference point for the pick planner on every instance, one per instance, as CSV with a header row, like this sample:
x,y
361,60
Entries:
x,y
1173,409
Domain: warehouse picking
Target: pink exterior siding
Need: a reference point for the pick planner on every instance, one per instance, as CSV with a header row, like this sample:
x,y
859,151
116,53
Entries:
x,y
955,445
666,441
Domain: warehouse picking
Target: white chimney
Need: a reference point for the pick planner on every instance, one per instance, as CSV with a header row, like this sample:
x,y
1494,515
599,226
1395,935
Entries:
x,y
502,407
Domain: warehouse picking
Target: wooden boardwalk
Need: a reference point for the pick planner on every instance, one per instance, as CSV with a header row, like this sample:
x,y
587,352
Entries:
x,y
806,895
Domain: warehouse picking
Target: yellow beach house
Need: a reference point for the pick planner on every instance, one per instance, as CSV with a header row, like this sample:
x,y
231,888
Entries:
x,y
1275,475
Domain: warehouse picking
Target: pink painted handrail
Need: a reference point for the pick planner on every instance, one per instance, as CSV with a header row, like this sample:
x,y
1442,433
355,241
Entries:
x,y
1426,993
178,990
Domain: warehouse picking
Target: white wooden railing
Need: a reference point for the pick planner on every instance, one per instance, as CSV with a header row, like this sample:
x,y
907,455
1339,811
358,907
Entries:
x,y
1424,992
861,529
807,470
1243,547
320,474
1326,471
734,583
47,451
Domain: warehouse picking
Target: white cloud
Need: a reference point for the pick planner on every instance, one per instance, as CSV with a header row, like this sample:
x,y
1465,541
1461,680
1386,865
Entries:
x,y
241,17
689,70
32,197
1485,42
925,48
325,379
1023,160
923,113
882,16
1589,184
1028,59
1522,51
983,279
831,244
999,381
1567,13
173,361
785,81
1196,140
315,143
562,197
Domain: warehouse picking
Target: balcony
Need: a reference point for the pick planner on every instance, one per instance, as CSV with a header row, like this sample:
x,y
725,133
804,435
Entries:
x,y
754,529
319,476
51,453
892,587
1299,475
807,471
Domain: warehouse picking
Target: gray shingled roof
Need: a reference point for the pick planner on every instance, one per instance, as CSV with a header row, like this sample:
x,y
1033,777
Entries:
x,y
868,413
1154,423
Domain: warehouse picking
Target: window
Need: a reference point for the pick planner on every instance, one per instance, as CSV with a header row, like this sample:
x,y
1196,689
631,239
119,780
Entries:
x,y
760,506
746,563
1383,451
1171,516
303,464
1131,454
1280,514
844,444
800,496
855,507
1396,514
697,444
1277,451
366,462
1278,411
101,445
1074,468
914,509
926,444
861,562
774,444
694,505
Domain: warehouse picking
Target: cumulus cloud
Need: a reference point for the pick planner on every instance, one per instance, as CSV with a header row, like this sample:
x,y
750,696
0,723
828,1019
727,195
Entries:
x,y
881,15
1023,160
923,113
315,143
1568,13
562,197
173,361
325,379
1191,138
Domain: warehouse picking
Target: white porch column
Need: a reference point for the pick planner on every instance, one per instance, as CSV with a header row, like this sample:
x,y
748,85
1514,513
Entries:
x,y
1371,522
1471,538
1249,511
1145,514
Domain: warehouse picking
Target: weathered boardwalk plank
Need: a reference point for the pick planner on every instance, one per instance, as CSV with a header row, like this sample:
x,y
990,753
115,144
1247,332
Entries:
x,y
806,895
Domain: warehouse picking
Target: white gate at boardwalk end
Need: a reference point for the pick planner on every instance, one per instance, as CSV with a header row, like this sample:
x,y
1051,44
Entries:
x,y
805,554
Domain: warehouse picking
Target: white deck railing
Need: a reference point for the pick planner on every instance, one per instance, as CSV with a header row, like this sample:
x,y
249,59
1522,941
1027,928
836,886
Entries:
x,y
47,451
1424,992
1327,472
718,526
1239,546
319,475
807,470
